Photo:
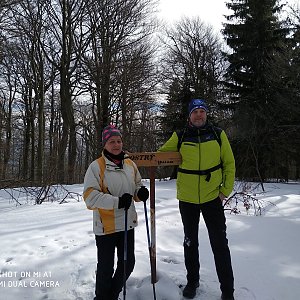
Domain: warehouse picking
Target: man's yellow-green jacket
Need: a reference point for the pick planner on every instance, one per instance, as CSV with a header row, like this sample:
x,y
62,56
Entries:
x,y
208,166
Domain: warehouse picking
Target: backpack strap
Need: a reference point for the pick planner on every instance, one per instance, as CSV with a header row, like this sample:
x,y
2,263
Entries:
x,y
130,163
217,133
180,135
102,165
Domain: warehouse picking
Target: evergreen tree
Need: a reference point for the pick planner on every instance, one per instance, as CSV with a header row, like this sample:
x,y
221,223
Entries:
x,y
256,82
174,111
193,68
174,115
293,126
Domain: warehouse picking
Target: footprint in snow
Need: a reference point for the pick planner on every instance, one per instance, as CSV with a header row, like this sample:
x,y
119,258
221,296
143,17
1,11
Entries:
x,y
9,259
170,260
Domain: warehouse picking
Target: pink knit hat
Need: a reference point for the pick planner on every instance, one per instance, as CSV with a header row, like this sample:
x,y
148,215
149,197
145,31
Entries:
x,y
108,132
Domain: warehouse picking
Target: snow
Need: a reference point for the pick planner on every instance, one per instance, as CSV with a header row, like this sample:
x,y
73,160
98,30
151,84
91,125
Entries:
x,y
48,251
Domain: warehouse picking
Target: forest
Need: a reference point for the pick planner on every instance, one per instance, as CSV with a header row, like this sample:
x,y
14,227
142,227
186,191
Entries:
x,y
70,67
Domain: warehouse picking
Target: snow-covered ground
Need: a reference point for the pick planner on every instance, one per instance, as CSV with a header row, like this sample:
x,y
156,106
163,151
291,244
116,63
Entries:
x,y
48,251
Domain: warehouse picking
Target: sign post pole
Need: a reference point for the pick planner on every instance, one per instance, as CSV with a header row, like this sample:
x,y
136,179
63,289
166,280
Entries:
x,y
153,160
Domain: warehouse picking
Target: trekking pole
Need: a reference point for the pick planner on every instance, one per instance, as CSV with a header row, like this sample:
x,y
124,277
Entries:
x,y
125,256
149,247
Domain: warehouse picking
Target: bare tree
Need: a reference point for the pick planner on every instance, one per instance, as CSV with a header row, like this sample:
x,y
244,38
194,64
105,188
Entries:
x,y
136,79
193,55
25,27
65,25
6,3
115,27
54,98
7,97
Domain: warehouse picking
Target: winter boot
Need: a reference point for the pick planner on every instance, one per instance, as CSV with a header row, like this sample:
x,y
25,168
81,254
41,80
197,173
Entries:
x,y
190,290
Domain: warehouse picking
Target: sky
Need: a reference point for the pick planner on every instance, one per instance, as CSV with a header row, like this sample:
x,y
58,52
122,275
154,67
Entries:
x,y
211,11
48,251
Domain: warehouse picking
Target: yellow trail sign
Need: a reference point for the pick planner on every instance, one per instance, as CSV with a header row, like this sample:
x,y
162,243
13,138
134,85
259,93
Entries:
x,y
155,159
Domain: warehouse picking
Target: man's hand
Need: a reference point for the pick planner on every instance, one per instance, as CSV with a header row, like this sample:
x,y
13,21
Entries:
x,y
222,197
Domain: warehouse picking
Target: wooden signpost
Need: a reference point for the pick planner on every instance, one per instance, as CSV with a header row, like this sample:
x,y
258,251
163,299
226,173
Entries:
x,y
154,160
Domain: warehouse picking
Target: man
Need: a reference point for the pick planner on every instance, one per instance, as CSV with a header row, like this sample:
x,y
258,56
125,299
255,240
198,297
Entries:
x,y
205,177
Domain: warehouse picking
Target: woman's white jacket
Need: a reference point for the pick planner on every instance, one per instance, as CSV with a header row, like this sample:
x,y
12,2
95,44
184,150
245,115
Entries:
x,y
102,194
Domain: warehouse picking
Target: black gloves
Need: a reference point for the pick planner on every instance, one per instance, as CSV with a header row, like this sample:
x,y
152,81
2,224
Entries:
x,y
143,194
125,201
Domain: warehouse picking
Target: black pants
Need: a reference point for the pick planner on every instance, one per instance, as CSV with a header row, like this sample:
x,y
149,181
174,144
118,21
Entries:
x,y
213,214
109,283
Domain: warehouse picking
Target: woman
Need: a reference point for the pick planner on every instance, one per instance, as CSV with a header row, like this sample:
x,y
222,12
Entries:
x,y
111,183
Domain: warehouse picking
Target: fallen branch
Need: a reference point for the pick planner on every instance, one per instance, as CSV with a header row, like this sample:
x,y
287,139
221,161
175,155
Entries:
x,y
40,194
248,201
